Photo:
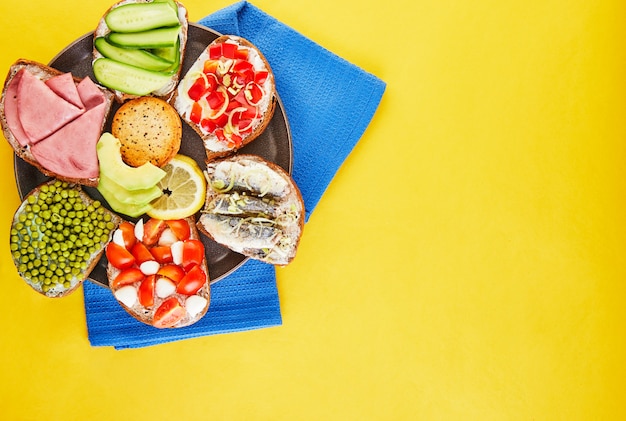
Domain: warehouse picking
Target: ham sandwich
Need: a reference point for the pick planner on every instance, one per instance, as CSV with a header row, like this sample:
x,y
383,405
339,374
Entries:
x,y
54,120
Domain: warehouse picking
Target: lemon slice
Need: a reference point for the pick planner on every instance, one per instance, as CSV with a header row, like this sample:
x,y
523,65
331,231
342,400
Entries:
x,y
184,190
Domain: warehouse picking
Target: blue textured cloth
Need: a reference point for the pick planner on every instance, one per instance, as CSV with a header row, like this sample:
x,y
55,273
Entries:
x,y
329,103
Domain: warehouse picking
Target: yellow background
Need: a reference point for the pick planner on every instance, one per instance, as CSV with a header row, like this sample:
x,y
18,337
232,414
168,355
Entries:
x,y
466,263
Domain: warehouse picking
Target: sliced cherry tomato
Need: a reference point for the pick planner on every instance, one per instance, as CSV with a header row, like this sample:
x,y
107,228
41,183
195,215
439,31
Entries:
x,y
162,254
128,234
127,277
180,228
173,272
192,281
193,253
198,89
196,113
169,313
141,253
146,291
119,257
152,230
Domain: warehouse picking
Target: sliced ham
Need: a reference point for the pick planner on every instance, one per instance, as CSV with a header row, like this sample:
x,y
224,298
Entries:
x,y
47,112
89,93
11,111
64,86
71,150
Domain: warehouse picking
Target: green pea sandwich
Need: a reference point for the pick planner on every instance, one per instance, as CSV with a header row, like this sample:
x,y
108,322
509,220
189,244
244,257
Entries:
x,y
58,235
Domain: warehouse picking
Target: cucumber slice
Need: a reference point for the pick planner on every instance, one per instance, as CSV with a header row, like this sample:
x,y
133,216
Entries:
x,y
172,4
172,55
134,57
130,79
137,17
154,38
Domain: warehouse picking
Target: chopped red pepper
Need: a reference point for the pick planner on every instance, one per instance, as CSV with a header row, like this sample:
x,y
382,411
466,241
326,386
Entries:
x,y
261,77
198,89
208,125
241,53
237,140
221,120
215,99
196,113
229,50
244,71
215,51
245,126
210,67
234,103
255,93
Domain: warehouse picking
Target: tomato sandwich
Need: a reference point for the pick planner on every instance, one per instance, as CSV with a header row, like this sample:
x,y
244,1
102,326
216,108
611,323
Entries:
x,y
157,271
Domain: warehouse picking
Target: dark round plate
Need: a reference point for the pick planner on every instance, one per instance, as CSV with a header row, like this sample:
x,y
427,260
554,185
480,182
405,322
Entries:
x,y
274,144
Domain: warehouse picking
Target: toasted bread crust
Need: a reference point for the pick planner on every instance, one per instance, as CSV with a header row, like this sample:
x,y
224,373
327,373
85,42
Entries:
x,y
166,92
44,72
259,126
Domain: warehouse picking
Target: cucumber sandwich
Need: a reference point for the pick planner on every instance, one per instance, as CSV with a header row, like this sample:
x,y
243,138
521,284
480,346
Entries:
x,y
139,47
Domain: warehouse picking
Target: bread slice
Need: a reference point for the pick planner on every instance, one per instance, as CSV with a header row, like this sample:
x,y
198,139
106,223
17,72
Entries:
x,y
166,91
149,130
243,116
20,228
44,73
200,300
253,207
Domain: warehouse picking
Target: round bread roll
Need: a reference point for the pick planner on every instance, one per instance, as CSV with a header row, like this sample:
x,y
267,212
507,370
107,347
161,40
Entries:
x,y
149,130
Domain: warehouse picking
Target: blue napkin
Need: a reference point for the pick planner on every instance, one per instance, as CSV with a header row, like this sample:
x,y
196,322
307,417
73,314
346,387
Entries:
x,y
329,103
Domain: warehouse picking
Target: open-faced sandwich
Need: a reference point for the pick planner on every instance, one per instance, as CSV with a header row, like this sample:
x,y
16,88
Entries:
x,y
139,46
53,120
227,96
58,235
254,208
157,271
